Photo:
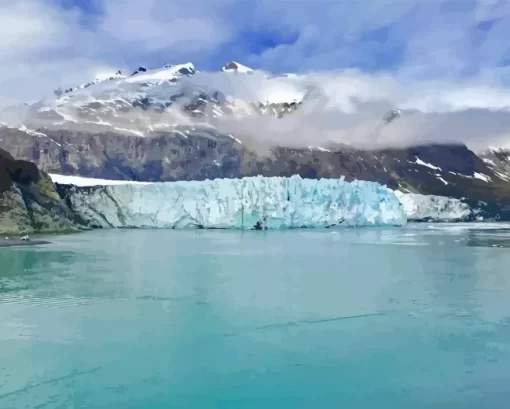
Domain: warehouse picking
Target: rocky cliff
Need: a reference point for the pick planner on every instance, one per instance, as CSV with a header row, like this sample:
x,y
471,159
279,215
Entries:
x,y
29,202
193,154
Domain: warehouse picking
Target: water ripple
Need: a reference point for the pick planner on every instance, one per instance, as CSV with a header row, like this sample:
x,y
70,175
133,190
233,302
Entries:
x,y
54,302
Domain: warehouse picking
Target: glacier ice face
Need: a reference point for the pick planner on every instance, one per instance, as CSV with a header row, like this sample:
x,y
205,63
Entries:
x,y
417,207
248,203
447,209
435,208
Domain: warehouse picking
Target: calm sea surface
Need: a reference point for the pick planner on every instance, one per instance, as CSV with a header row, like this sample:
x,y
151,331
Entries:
x,y
368,318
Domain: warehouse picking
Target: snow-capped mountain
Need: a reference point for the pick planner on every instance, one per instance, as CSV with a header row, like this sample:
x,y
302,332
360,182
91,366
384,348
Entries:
x,y
162,125
155,100
118,75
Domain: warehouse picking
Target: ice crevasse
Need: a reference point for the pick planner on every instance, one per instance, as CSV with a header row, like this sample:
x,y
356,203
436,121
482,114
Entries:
x,y
247,203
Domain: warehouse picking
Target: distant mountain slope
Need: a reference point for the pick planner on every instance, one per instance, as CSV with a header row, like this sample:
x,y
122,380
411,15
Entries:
x,y
498,160
161,125
445,170
155,100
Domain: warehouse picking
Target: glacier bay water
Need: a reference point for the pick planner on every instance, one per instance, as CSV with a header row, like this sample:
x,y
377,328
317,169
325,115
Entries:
x,y
357,318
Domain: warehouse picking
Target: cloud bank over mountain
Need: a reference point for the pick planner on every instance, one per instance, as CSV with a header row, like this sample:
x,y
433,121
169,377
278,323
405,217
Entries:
x,y
443,61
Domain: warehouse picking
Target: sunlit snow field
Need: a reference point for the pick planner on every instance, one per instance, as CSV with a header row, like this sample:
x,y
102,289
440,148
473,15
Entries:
x,y
354,318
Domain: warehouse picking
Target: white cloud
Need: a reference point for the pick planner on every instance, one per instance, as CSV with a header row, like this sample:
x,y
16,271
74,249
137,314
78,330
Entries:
x,y
42,47
157,25
28,26
426,38
348,107
436,57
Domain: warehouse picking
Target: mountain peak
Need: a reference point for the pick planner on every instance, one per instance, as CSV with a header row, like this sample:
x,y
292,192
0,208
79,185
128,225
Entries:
x,y
139,70
101,77
183,69
234,66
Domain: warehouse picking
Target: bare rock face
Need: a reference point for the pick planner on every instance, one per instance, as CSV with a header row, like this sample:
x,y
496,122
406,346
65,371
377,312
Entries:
x,y
14,217
194,154
29,202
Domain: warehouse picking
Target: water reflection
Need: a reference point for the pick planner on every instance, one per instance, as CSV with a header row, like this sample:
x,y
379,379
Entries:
x,y
20,262
24,269
499,238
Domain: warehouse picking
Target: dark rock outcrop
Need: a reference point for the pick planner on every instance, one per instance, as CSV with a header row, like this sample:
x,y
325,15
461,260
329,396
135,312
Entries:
x,y
29,201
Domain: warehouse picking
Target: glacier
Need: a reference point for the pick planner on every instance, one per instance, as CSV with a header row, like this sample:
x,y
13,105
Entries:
x,y
249,203
419,207
430,208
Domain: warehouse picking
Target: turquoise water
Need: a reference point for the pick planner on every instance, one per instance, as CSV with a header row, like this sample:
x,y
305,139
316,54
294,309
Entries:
x,y
369,318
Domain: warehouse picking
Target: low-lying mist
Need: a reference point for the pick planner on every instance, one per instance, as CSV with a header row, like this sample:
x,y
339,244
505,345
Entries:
x,y
345,107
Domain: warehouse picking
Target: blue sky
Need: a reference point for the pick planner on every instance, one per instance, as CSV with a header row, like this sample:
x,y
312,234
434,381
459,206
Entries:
x,y
287,35
61,42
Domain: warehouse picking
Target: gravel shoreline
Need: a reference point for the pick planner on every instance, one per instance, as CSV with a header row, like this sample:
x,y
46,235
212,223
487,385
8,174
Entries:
x,y
15,242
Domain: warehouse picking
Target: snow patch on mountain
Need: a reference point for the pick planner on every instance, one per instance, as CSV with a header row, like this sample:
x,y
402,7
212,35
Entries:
x,y
497,160
168,72
428,165
102,77
23,128
481,176
82,181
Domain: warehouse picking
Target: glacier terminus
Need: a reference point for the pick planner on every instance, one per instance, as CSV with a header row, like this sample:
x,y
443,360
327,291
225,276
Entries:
x,y
253,203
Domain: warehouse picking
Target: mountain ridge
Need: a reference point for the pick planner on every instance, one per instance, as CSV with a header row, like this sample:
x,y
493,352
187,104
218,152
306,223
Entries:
x,y
156,125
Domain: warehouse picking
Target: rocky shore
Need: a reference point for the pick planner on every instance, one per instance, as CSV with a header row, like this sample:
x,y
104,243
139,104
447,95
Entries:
x,y
29,202
17,242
